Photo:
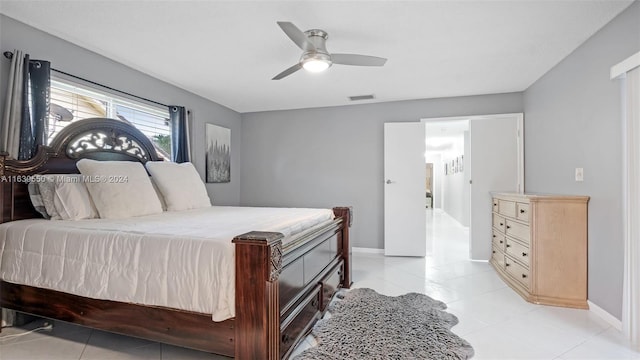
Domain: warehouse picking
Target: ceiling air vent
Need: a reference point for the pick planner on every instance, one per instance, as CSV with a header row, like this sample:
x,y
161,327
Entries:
x,y
361,97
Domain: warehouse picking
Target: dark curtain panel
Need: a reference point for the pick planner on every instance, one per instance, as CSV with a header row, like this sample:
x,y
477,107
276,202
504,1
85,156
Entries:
x,y
35,107
180,151
26,139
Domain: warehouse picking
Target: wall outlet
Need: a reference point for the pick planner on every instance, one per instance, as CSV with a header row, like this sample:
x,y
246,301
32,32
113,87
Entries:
x,y
579,174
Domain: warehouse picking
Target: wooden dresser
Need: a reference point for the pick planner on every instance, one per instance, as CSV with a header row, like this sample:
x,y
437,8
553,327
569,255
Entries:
x,y
539,246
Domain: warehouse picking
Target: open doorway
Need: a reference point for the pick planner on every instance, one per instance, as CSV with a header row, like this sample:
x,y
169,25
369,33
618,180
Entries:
x,y
446,143
493,162
472,156
447,190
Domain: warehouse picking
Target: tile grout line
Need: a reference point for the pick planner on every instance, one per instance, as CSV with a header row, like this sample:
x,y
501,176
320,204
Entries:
x,y
85,344
590,337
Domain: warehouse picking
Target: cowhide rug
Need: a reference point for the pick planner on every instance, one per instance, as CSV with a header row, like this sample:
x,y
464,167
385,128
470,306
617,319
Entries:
x,y
368,325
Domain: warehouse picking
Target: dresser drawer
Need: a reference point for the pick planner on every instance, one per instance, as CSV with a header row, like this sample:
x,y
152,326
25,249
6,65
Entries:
x,y
498,222
520,273
300,321
522,212
507,208
496,208
518,251
517,230
498,239
498,257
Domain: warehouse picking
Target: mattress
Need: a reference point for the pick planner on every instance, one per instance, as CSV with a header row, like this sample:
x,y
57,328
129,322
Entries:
x,y
182,260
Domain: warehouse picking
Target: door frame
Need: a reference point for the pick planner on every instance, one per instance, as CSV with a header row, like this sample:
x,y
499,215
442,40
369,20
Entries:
x,y
630,322
520,143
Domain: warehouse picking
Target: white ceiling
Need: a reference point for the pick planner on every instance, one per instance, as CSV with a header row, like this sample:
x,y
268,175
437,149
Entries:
x,y
230,50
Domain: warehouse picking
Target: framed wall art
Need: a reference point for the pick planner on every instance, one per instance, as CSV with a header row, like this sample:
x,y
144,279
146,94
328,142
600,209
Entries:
x,y
218,153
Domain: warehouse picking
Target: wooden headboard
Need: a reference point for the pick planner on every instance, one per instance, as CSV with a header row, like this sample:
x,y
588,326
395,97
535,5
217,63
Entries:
x,y
94,138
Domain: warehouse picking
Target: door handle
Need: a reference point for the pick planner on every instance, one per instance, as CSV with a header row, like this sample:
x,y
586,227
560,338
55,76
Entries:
x,y
390,182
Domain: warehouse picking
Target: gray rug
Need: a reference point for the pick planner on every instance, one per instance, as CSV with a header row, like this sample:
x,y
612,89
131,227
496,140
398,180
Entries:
x,y
368,325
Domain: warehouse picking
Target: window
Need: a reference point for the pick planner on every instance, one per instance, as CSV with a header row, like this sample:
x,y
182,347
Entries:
x,y
72,102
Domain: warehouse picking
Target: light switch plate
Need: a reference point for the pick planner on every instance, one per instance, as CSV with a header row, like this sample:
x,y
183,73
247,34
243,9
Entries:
x,y
579,174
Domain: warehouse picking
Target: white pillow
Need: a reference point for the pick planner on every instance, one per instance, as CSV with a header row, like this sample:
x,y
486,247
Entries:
x,y
120,189
180,184
73,202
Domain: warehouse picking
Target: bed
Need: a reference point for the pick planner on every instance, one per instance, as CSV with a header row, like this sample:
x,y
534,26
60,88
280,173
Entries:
x,y
282,283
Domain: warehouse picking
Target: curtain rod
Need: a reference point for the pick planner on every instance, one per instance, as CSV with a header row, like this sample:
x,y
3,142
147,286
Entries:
x,y
9,55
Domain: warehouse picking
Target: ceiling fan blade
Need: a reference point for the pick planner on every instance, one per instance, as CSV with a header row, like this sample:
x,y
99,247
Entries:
x,y
296,35
357,60
288,72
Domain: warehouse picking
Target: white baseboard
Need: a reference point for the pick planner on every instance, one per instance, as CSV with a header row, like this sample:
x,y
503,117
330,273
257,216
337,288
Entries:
x,y
604,315
367,250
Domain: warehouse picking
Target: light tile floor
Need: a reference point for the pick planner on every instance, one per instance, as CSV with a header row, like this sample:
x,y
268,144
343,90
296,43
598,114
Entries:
x,y
497,322
493,318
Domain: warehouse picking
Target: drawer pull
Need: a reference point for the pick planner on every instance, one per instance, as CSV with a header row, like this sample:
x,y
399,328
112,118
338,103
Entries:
x,y
286,338
508,245
494,204
314,303
524,276
494,235
501,224
524,254
522,211
501,241
507,264
508,227
494,251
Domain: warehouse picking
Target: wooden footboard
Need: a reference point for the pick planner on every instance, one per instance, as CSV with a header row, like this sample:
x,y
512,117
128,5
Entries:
x,y
286,290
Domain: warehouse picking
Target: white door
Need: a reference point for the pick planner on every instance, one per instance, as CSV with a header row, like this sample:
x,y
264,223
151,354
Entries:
x,y
496,165
404,189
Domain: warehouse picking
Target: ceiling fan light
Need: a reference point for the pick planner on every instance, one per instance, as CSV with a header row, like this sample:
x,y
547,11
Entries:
x,y
315,65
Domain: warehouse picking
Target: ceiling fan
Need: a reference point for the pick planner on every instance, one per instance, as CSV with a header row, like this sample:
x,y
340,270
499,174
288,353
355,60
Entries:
x,y
315,57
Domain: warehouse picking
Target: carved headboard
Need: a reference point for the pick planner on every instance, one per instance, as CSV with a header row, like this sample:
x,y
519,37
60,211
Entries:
x,y
95,138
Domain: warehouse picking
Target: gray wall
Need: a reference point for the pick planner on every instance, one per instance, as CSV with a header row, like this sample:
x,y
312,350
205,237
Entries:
x,y
89,65
453,196
334,156
573,119
454,186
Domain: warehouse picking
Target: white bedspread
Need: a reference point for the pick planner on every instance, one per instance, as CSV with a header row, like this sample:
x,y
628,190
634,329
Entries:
x,y
182,260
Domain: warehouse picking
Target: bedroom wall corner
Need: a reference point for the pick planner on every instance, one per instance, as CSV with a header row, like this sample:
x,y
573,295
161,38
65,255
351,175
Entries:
x,y
81,62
